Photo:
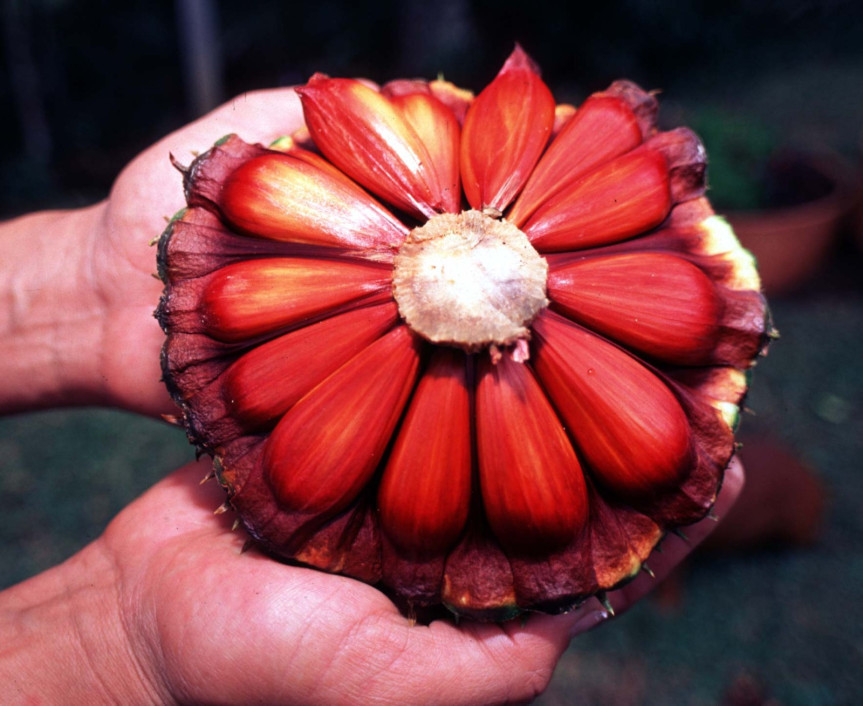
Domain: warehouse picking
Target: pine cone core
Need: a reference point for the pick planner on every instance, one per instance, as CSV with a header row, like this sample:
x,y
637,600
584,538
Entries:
x,y
469,281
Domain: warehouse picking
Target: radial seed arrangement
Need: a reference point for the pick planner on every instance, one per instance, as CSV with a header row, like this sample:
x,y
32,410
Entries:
x,y
482,352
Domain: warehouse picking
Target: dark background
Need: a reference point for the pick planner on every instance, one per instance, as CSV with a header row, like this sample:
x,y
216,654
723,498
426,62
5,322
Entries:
x,y
85,85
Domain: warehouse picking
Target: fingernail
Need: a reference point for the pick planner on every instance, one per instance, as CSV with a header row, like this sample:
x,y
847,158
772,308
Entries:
x,y
588,621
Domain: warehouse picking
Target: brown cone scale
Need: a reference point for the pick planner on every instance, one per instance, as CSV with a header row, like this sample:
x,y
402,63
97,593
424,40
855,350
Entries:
x,y
482,352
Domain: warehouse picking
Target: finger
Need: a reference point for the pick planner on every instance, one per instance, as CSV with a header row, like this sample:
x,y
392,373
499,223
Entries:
x,y
381,658
260,116
256,116
339,639
674,549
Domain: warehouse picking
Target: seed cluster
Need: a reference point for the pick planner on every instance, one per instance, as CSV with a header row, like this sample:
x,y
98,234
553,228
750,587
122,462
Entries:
x,y
331,302
470,281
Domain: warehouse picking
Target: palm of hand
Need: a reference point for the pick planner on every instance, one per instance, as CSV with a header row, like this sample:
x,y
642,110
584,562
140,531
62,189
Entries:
x,y
120,256
211,623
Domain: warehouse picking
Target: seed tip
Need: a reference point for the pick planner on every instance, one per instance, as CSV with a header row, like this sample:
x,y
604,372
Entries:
x,y
603,598
182,168
679,533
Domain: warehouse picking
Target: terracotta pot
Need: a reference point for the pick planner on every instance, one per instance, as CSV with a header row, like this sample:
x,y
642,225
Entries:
x,y
791,242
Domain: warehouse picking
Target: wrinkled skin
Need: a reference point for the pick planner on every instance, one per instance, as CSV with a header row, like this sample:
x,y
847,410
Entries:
x,y
145,193
164,606
241,627
171,611
93,269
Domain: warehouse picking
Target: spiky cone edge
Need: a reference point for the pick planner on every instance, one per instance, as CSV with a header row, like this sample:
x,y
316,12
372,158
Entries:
x,y
475,577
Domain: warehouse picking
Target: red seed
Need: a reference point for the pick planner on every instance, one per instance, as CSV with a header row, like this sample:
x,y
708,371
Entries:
x,y
425,490
320,468
265,383
360,131
257,297
629,427
505,131
622,198
657,303
532,486
301,201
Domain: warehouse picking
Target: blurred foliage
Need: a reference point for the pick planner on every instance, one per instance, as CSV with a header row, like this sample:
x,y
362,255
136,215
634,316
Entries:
x,y
738,148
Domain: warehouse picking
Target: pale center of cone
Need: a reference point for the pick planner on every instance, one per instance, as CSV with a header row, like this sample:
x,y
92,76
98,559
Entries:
x,y
469,281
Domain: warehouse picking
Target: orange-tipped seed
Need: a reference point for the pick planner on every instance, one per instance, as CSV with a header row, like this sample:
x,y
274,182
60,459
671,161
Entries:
x,y
256,297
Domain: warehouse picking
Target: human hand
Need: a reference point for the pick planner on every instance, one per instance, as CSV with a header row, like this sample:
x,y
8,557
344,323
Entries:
x,y
80,329
165,607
